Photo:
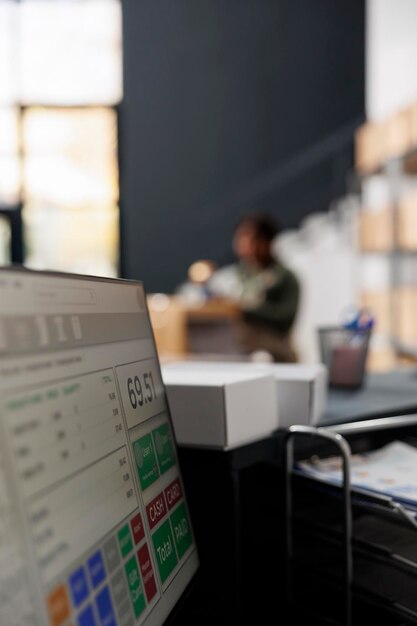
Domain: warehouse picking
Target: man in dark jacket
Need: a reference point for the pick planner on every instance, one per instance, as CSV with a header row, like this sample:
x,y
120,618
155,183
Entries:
x,y
269,291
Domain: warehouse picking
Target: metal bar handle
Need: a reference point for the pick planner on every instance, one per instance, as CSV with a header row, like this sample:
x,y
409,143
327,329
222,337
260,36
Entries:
x,y
345,452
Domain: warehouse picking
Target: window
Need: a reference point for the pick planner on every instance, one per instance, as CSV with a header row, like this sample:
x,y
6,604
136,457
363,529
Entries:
x,y
61,65
10,182
5,236
70,52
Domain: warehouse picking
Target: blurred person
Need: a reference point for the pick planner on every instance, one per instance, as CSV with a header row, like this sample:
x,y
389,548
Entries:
x,y
265,290
195,289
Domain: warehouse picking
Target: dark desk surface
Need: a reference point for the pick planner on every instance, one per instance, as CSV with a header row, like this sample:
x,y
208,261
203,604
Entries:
x,y
383,395
248,487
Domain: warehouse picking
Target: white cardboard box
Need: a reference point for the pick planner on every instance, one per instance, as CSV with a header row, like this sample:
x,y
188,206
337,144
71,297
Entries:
x,y
221,409
301,389
302,392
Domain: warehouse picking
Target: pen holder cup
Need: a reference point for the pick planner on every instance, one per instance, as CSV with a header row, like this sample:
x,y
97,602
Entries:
x,y
344,352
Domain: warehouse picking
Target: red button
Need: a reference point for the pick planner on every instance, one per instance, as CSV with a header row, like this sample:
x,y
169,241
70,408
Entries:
x,y
138,530
173,493
147,572
156,510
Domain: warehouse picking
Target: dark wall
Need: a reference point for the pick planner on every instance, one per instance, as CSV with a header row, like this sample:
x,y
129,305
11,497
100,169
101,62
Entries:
x,y
230,105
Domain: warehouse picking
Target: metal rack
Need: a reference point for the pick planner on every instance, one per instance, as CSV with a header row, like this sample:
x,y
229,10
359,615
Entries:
x,y
344,449
394,170
363,562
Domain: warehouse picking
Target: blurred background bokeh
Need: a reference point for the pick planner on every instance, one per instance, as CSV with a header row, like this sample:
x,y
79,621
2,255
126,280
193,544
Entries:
x,y
135,134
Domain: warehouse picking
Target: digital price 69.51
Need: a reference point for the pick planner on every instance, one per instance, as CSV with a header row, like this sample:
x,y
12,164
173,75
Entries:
x,y
141,390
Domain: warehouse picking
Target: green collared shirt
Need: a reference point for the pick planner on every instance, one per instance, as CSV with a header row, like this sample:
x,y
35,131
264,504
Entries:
x,y
270,296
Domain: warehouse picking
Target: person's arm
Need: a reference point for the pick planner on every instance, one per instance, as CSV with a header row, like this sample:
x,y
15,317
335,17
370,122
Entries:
x,y
279,307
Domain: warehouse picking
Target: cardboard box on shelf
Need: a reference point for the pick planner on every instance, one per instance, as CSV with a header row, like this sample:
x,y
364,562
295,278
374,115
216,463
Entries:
x,y
406,315
398,134
407,221
378,142
410,163
375,230
381,359
369,147
413,124
379,303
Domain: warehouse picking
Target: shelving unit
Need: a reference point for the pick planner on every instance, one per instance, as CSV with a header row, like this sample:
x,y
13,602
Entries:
x,y
386,184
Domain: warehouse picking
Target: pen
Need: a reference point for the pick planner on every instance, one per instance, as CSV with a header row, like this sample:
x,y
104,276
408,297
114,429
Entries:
x,y
362,319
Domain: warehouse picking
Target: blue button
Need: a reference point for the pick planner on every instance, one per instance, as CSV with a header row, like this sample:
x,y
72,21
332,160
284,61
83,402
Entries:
x,y
105,608
79,587
86,617
96,569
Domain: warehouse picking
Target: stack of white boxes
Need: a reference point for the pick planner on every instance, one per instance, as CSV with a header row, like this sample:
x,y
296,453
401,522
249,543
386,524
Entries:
x,y
225,405
220,409
302,392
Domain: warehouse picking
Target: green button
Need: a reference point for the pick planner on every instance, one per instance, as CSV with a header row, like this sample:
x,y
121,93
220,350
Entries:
x,y
135,586
125,540
182,530
164,549
145,460
164,447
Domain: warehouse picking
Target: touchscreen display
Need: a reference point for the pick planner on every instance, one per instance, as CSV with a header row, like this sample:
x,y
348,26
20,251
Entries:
x,y
94,524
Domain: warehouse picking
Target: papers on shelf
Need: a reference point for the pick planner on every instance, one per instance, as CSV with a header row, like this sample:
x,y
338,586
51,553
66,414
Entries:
x,y
390,470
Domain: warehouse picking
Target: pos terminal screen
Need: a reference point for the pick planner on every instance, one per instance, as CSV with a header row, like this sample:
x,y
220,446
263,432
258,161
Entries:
x,y
94,524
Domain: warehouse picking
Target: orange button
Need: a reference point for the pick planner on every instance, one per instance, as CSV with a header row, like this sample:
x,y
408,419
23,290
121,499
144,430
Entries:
x,y
58,606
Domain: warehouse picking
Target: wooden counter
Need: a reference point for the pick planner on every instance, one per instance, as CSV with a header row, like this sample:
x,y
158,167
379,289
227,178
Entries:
x,y
182,327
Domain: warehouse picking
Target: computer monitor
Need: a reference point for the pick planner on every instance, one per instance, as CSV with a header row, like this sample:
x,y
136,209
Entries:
x,y
94,523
